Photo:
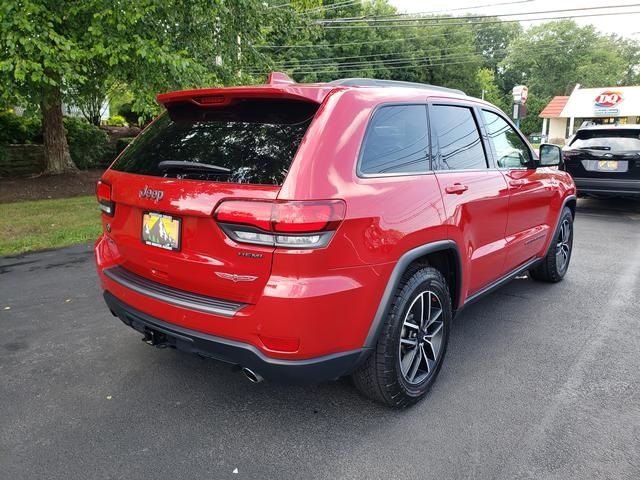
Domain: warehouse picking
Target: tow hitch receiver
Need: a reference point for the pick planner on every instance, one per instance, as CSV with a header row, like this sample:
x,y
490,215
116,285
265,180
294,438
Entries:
x,y
156,339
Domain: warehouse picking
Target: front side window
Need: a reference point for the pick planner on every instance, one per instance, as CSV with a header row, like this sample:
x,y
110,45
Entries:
x,y
459,144
397,141
511,151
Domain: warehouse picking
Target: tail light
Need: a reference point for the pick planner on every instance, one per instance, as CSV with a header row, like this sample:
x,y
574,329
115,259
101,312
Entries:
x,y
295,224
103,192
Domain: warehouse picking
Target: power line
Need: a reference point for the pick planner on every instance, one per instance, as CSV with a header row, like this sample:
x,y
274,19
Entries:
x,y
367,42
343,3
323,60
276,47
486,23
417,17
444,10
333,6
383,63
410,62
453,24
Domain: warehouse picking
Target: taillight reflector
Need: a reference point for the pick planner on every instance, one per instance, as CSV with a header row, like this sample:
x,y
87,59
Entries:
x,y
103,193
292,224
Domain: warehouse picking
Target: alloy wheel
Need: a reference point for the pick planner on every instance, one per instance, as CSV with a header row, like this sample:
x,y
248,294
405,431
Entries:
x,y
563,246
421,337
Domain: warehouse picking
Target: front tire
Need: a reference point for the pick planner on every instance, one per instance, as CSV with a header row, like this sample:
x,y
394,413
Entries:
x,y
556,263
412,342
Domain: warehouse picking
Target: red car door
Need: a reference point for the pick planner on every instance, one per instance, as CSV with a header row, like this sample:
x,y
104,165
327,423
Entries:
x,y
475,196
531,191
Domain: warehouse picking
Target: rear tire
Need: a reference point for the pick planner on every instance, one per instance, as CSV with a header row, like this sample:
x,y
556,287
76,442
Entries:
x,y
555,264
412,342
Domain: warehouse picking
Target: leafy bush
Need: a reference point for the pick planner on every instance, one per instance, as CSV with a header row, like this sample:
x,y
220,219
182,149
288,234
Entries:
x,y
122,143
117,121
130,116
15,129
87,143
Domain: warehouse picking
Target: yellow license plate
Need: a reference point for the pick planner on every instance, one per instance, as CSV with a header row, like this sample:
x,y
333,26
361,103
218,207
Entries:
x,y
608,165
160,230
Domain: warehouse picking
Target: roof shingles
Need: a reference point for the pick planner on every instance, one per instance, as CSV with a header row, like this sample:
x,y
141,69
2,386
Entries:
x,y
554,108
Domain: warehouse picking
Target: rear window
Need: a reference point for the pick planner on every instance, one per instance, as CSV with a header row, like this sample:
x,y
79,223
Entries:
x,y
249,141
618,140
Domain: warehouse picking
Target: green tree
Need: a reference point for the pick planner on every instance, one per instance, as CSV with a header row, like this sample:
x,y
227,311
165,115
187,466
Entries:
x,y
52,48
308,51
551,58
488,89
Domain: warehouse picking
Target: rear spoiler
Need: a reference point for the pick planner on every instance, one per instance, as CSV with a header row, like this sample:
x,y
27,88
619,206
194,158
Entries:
x,y
278,86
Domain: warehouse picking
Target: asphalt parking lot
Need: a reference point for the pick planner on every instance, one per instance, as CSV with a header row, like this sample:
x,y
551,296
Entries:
x,y
541,381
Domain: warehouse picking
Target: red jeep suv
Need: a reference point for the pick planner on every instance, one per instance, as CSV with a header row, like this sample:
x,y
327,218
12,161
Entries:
x,y
304,232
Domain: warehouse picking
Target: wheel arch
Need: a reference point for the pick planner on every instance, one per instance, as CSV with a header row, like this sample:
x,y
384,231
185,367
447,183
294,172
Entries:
x,y
443,255
569,201
572,203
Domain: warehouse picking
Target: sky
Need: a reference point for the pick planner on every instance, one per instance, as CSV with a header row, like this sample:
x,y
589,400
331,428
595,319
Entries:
x,y
627,25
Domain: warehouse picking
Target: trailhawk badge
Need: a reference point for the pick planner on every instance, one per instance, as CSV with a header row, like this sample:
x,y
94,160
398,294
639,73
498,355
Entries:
x,y
155,195
236,278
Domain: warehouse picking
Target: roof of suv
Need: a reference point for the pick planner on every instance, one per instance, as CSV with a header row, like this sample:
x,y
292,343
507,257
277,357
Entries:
x,y
631,126
281,86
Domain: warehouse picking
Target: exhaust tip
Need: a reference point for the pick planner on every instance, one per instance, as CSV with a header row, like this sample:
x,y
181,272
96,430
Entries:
x,y
251,375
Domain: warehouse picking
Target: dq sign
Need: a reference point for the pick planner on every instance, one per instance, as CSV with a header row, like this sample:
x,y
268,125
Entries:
x,y
608,99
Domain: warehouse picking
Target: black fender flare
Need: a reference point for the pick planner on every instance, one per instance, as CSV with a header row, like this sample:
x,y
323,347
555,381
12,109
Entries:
x,y
394,279
566,200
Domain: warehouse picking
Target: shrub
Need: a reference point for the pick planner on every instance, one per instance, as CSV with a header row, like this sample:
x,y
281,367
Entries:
x,y
122,143
126,112
87,143
15,129
117,121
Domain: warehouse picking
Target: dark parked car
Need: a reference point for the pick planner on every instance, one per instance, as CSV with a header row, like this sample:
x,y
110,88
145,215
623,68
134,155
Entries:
x,y
604,160
537,137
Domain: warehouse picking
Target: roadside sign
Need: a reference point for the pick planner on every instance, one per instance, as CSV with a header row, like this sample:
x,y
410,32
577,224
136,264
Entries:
x,y
520,94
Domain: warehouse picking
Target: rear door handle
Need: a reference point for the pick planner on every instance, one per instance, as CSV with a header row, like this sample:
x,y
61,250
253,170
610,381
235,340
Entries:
x,y
516,183
456,189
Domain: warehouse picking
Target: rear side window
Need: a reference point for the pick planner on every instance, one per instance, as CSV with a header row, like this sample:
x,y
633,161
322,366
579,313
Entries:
x,y
249,141
397,141
616,140
459,144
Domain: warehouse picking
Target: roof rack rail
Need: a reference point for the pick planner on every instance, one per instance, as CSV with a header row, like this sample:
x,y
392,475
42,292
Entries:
x,y
372,82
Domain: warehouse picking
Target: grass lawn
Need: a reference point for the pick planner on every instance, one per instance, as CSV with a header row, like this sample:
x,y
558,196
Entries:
x,y
41,224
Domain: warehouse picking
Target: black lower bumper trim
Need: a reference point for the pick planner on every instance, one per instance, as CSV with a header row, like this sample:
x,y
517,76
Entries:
x,y
313,370
609,186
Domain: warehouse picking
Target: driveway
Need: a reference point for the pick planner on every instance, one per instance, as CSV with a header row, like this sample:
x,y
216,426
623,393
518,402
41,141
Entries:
x,y
540,381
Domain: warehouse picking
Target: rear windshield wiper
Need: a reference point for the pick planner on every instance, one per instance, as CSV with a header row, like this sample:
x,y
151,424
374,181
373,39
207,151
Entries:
x,y
595,147
191,166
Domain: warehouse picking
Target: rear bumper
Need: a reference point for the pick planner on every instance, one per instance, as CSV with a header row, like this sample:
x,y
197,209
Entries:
x,y
312,370
608,186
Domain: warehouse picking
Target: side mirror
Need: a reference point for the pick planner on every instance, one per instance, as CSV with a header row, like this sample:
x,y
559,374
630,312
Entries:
x,y
550,155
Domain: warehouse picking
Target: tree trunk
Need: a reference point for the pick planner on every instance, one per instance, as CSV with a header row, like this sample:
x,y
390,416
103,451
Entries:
x,y
56,149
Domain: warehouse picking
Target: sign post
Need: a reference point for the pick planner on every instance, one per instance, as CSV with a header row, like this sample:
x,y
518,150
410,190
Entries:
x,y
520,94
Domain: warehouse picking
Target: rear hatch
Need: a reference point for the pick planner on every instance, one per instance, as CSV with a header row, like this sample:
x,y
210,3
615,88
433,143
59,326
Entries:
x,y
167,184
604,153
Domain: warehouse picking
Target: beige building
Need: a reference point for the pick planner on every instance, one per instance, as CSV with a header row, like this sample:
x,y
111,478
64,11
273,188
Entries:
x,y
607,105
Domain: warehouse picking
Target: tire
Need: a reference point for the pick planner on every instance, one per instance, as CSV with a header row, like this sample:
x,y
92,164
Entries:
x,y
555,264
386,376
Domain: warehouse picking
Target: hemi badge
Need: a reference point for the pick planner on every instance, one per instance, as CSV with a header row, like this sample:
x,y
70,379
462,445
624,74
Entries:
x,y
236,278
